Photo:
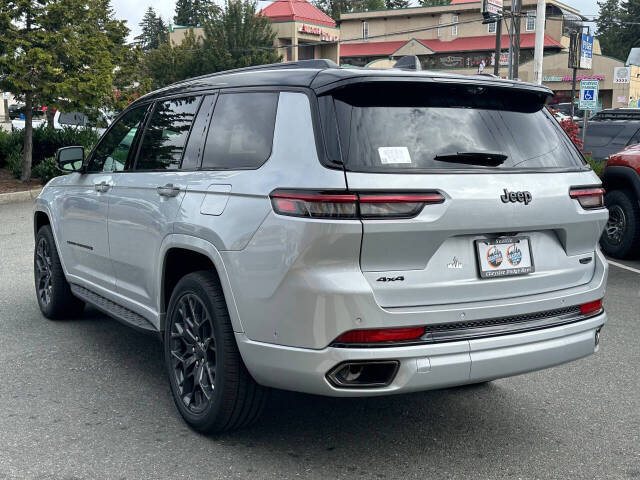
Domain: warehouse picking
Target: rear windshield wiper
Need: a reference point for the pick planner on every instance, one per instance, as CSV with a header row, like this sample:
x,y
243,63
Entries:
x,y
489,159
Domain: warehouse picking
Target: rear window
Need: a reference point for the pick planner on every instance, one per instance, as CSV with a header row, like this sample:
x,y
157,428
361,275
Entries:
x,y
391,128
600,135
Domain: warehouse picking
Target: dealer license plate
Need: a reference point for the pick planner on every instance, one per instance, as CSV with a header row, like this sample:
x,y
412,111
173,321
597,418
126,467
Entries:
x,y
504,257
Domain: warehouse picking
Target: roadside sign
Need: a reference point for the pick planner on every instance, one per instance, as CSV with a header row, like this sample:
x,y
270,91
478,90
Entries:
x,y
621,75
491,8
6,96
588,94
586,51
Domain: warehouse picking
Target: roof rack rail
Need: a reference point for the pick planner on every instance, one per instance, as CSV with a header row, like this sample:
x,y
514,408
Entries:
x,y
320,64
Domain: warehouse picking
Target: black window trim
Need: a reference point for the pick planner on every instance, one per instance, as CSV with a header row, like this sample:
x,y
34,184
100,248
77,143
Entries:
x,y
124,112
148,118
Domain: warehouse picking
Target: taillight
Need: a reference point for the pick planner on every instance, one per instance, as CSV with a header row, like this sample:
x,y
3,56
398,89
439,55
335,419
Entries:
x,y
591,307
588,198
351,205
381,335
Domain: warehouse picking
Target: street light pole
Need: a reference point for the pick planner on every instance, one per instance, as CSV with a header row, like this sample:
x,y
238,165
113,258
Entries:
x,y
496,63
539,45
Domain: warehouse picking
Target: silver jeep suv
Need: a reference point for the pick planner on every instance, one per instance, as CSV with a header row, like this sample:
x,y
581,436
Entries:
x,y
328,230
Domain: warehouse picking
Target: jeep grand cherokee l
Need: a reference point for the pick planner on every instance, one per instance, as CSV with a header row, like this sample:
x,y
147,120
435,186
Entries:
x,y
328,230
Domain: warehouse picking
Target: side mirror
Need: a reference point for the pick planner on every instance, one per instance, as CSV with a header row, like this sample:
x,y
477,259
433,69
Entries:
x,y
70,159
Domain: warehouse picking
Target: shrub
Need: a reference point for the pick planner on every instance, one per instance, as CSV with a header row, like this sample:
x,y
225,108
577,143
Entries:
x,y
14,163
596,165
46,170
571,128
45,142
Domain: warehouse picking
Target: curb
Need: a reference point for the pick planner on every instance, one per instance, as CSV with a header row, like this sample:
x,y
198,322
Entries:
x,y
17,197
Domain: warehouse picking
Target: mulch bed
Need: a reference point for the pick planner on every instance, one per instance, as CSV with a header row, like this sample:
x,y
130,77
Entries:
x,y
10,184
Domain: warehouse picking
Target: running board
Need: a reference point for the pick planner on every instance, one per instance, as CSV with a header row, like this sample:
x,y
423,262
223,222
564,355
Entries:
x,y
118,312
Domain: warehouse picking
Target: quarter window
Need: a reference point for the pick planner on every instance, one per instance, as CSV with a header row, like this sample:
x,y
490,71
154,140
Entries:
x,y
241,132
115,147
166,134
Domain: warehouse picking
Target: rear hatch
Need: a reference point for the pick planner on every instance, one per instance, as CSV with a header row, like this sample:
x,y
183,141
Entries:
x,y
507,226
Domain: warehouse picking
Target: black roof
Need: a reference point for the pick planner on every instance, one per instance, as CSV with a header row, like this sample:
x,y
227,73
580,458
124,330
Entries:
x,y
324,75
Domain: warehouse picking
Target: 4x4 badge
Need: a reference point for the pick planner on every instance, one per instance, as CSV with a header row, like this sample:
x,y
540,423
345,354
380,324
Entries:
x,y
522,197
455,263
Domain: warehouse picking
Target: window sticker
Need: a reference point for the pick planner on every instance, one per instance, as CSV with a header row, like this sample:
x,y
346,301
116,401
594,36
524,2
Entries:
x,y
394,155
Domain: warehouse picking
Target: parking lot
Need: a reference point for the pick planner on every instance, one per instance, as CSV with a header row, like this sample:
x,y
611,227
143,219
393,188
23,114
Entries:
x,y
88,398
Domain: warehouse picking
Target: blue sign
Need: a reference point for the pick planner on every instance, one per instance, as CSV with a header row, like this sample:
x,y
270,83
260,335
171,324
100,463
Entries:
x,y
586,51
588,99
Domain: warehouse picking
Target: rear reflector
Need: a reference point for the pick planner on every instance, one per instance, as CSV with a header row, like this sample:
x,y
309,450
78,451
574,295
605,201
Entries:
x,y
380,335
591,307
351,205
588,198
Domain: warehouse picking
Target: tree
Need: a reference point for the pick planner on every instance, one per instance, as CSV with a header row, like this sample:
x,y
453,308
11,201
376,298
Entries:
x,y
193,13
334,8
153,31
58,53
617,27
396,3
433,3
238,36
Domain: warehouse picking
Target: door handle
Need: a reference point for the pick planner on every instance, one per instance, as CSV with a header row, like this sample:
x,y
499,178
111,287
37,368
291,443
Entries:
x,y
102,187
169,190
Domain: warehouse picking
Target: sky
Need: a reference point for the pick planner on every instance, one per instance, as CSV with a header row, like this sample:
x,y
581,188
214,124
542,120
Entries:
x,y
133,10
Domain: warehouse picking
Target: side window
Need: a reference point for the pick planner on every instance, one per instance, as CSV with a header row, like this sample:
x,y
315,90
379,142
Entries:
x,y
241,132
195,145
113,150
166,134
635,139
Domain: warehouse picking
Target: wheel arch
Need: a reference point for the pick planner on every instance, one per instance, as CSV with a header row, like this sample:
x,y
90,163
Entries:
x,y
619,177
183,254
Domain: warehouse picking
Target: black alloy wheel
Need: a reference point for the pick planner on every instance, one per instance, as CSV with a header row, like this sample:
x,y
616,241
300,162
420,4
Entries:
x,y
211,387
193,352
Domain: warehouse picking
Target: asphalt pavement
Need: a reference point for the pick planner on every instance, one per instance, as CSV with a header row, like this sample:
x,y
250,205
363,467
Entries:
x,y
88,398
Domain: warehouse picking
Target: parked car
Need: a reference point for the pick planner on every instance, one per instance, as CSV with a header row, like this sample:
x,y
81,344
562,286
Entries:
x,y
74,120
564,111
605,137
624,113
621,179
15,109
335,231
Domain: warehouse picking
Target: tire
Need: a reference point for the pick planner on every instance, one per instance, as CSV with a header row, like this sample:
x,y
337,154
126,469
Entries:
x,y
52,289
621,237
211,386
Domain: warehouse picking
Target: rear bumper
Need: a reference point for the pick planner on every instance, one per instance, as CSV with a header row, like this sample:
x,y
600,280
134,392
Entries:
x,y
423,367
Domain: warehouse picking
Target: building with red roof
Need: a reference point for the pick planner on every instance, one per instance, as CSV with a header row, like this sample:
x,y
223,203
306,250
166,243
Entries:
x,y
303,32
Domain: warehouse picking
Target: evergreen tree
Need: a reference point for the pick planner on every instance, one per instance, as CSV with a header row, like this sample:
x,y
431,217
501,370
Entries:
x,y
396,3
184,13
617,27
238,37
334,8
433,3
153,31
73,48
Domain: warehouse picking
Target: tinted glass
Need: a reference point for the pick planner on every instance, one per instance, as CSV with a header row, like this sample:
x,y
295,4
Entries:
x,y
193,151
73,119
111,153
166,134
601,134
241,133
406,128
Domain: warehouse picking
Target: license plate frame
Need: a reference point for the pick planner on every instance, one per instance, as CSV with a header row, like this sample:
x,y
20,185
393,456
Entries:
x,y
505,267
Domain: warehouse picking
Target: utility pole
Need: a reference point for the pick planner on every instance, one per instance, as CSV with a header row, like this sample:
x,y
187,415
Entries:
x,y
516,38
539,46
496,63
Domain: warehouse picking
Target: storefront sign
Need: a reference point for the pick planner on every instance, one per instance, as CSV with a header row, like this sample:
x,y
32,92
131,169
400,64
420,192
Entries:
x,y
569,78
504,58
621,75
451,61
586,51
491,8
622,100
588,99
311,30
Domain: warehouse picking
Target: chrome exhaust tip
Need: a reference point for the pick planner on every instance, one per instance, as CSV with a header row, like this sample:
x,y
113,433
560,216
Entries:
x,y
363,373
